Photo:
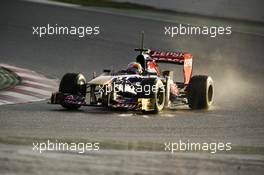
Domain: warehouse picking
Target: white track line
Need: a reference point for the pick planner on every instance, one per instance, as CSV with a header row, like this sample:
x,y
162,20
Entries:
x,y
3,102
15,68
27,75
35,90
20,96
54,3
39,84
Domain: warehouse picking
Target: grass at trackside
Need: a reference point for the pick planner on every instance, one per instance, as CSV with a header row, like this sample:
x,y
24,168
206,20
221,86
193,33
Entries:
x,y
133,146
248,150
8,79
149,146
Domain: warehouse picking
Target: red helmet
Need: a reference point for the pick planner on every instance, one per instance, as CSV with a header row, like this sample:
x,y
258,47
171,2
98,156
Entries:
x,y
134,68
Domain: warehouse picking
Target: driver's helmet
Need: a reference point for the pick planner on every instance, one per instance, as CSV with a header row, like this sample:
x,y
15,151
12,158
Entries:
x,y
134,68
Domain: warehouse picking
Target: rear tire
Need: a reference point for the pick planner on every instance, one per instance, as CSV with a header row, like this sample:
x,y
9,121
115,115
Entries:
x,y
200,92
73,83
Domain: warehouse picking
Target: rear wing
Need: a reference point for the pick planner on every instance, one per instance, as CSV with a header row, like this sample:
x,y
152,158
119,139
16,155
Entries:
x,y
180,58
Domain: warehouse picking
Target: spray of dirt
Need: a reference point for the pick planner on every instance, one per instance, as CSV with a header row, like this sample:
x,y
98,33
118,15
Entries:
x,y
234,86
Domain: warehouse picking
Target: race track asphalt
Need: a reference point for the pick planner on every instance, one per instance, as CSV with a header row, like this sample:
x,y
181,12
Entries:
x,y
235,63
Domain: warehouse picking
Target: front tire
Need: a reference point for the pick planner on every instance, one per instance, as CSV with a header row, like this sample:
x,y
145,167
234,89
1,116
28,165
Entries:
x,y
200,92
157,95
73,83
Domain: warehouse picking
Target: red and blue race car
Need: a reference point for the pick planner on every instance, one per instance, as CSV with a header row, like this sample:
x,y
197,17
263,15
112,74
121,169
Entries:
x,y
142,86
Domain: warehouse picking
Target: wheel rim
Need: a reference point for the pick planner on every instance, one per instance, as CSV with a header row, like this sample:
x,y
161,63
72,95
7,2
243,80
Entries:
x,y
160,97
210,93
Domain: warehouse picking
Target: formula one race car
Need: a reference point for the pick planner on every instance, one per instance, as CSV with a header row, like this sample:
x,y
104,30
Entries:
x,y
142,86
